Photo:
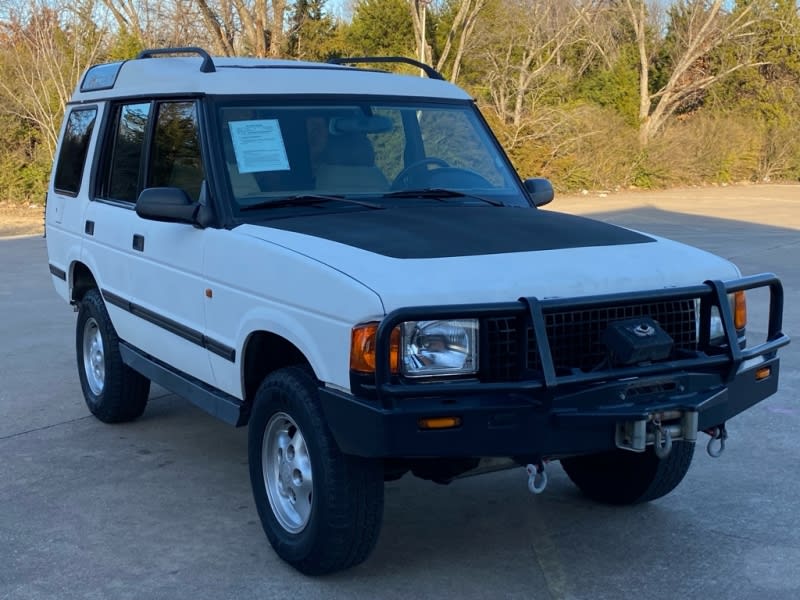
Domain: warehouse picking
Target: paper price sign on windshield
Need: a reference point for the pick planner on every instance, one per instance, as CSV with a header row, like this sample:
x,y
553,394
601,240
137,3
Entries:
x,y
258,146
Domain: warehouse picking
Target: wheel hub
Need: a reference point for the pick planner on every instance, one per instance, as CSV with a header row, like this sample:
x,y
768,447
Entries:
x,y
94,365
286,468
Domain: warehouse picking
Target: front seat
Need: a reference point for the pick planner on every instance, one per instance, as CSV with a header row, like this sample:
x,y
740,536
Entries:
x,y
347,165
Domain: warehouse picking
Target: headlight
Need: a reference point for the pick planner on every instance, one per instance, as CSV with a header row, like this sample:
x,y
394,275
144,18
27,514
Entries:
x,y
738,310
429,348
716,331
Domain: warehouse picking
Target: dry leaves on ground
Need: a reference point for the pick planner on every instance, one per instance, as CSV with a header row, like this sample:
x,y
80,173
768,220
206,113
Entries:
x,y
16,219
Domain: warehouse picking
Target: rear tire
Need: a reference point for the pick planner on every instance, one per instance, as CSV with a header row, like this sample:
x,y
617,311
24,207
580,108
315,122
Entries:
x,y
320,509
113,391
625,477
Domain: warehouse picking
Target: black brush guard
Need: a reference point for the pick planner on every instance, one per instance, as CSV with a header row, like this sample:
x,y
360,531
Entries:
x,y
546,413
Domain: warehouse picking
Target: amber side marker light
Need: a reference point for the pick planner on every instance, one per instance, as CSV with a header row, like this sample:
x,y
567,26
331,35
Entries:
x,y
362,348
439,422
763,373
739,310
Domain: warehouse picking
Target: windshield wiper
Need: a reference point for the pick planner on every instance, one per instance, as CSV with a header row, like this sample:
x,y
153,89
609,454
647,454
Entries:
x,y
440,194
306,200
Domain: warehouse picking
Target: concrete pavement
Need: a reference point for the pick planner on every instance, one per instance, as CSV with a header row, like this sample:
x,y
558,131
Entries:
x,y
161,508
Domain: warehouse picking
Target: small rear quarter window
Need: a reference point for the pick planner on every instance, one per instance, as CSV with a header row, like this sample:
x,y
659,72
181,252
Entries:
x,y
74,146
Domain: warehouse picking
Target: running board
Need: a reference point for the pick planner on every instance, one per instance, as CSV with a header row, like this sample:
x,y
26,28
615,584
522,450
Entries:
x,y
217,404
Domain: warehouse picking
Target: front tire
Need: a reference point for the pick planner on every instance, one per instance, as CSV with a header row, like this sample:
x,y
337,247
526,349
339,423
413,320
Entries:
x,y
625,477
320,509
113,391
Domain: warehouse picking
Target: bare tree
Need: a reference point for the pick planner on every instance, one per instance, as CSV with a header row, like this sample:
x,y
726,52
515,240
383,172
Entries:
x,y
460,34
524,42
156,23
419,10
702,27
220,25
256,27
39,64
277,36
457,40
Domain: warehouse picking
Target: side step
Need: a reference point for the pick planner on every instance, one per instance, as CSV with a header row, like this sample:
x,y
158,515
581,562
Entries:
x,y
216,403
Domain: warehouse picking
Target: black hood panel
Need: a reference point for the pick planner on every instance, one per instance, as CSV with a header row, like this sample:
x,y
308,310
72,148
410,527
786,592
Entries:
x,y
449,231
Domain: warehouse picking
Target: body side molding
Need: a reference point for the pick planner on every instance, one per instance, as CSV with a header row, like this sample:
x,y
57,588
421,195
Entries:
x,y
191,335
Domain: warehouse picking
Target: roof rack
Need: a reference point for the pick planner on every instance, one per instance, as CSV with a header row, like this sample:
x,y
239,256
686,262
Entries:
x,y
206,67
429,71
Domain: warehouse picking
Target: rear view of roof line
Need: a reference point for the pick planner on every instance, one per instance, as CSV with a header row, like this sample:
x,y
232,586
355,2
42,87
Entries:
x,y
182,75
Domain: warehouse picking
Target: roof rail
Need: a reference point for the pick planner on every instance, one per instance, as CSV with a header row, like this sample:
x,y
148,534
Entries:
x,y
429,71
206,67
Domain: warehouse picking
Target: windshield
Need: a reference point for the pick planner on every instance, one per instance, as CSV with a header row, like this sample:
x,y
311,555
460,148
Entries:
x,y
383,151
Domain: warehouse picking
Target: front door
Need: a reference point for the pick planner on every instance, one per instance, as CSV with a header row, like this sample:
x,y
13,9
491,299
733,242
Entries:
x,y
164,291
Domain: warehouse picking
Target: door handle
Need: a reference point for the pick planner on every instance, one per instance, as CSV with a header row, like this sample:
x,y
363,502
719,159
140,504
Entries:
x,y
88,227
138,242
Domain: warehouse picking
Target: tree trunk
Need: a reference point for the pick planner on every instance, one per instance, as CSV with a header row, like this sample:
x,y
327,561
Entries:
x,y
276,38
221,38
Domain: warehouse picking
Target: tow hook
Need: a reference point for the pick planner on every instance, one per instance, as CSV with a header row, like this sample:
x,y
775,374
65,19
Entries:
x,y
718,434
662,444
537,477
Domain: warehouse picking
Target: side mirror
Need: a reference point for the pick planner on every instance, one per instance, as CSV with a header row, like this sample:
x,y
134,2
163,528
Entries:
x,y
540,190
168,204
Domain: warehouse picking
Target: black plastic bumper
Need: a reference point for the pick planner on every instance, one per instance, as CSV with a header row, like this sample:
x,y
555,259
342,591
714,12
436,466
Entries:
x,y
520,424
557,415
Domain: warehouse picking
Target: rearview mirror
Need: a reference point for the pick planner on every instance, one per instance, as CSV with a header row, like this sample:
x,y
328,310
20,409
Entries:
x,y
360,124
540,190
169,204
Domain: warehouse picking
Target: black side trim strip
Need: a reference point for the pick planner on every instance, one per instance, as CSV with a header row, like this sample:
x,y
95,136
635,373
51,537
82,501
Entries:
x,y
174,327
213,401
117,301
219,349
54,270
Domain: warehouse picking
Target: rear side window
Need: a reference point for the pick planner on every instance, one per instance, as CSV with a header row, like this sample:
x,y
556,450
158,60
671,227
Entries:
x,y
123,181
74,147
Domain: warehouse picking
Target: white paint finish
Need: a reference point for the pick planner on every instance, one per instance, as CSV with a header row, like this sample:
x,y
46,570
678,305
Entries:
x,y
119,269
182,75
108,253
63,249
261,286
166,278
65,215
569,272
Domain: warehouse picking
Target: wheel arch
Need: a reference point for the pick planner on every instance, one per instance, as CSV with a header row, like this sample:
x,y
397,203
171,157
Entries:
x,y
262,353
81,280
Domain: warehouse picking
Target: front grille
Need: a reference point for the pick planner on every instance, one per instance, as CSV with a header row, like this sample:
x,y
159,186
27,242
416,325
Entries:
x,y
502,361
574,336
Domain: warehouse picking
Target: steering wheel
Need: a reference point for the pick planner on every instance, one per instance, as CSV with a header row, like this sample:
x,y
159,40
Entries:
x,y
404,178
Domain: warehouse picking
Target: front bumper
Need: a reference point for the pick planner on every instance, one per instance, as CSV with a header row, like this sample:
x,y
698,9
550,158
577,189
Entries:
x,y
535,423
550,414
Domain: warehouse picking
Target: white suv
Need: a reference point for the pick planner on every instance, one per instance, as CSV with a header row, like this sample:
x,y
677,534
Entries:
x,y
344,260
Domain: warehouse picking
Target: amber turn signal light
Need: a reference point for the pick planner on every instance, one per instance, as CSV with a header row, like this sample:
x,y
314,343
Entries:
x,y
763,373
739,310
363,344
439,422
